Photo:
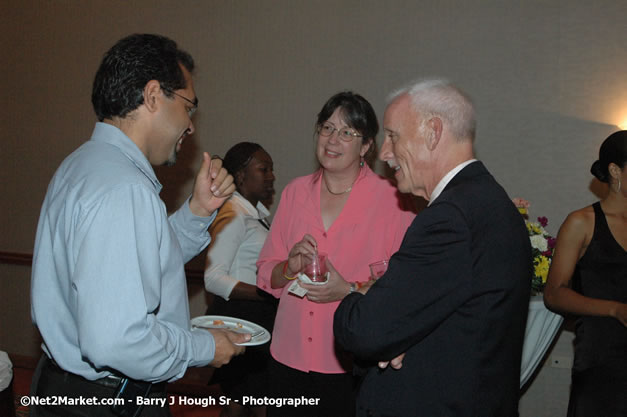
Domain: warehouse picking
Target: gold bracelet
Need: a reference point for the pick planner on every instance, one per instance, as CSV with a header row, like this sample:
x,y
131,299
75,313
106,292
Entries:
x,y
285,273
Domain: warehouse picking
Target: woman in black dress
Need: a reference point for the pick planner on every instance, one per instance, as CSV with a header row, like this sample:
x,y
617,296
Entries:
x,y
588,278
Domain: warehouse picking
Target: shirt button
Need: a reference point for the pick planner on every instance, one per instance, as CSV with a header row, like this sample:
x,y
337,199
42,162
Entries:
x,y
309,339
324,234
311,313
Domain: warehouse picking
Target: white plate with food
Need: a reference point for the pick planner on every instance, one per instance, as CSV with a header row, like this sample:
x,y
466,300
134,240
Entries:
x,y
258,333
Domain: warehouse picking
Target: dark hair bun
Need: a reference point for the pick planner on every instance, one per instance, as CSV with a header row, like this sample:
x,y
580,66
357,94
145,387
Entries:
x,y
613,151
597,170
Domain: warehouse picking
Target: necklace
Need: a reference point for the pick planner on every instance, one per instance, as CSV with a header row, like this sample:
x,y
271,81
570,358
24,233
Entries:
x,y
341,192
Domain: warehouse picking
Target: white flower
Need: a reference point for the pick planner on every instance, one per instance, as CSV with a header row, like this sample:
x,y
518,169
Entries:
x,y
539,242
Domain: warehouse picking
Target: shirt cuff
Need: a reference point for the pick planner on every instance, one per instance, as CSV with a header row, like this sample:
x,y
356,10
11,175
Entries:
x,y
221,286
204,347
197,221
229,289
264,278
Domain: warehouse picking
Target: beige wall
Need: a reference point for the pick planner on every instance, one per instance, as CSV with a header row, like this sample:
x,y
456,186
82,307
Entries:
x,y
547,78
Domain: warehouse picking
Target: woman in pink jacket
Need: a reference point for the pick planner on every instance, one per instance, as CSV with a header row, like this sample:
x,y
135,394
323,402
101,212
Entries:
x,y
350,213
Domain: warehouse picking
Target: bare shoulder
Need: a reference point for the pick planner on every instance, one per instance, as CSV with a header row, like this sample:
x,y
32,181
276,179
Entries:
x,y
579,223
582,216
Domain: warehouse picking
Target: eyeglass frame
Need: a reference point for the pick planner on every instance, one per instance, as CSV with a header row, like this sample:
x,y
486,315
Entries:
x,y
351,135
194,104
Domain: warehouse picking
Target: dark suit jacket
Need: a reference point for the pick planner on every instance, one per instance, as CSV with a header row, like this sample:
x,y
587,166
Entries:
x,y
455,299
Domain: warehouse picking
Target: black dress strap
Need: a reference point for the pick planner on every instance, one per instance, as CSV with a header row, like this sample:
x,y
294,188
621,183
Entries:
x,y
602,231
599,217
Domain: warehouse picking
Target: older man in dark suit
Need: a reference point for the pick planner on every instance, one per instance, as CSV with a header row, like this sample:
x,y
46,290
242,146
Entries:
x,y
450,311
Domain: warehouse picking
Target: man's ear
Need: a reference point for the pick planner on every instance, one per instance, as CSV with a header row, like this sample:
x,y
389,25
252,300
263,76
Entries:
x,y
152,93
435,133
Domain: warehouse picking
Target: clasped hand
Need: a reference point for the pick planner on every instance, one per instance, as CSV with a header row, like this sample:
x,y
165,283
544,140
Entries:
x,y
212,187
336,287
305,247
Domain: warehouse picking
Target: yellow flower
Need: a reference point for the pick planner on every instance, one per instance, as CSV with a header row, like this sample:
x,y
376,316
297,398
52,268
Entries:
x,y
541,268
536,229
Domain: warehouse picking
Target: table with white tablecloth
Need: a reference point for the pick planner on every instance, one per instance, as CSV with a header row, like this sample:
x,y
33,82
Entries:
x,y
542,327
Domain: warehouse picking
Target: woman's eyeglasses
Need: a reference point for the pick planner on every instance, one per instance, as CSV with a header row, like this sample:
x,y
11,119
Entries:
x,y
346,134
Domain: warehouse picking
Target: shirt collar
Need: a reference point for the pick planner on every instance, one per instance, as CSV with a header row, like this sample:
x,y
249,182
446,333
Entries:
x,y
446,179
107,133
259,212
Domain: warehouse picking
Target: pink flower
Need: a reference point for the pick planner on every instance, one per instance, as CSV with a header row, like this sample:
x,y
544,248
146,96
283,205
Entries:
x,y
552,242
543,221
520,202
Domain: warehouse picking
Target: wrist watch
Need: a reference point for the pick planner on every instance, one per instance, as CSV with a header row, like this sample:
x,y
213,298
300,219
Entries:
x,y
353,288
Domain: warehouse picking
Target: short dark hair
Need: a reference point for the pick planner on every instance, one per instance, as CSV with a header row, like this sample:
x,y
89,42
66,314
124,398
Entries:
x,y
239,156
613,150
128,66
357,112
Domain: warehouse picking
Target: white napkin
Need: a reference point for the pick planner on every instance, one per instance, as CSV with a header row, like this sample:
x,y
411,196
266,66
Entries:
x,y
296,289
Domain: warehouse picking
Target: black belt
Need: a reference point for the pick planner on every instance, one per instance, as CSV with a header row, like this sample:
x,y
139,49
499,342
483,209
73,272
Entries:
x,y
111,381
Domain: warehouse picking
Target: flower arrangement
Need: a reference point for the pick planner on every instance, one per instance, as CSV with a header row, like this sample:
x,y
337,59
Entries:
x,y
542,246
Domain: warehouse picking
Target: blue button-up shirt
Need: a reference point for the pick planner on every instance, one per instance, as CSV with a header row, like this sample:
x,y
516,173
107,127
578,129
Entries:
x,y
108,282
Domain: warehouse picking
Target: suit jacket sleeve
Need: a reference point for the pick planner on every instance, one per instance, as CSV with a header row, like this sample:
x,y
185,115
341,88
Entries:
x,y
427,280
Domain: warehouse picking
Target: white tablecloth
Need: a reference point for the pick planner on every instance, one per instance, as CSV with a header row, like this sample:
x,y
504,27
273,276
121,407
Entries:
x,y
542,326
6,371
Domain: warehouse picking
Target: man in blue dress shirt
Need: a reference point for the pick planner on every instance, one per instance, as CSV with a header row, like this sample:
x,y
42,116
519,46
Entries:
x,y
109,293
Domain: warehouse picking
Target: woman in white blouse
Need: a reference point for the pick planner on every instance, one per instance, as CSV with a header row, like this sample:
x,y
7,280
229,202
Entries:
x,y
238,233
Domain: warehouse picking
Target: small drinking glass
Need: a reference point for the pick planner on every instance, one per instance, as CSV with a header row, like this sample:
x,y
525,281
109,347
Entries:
x,y
316,267
377,269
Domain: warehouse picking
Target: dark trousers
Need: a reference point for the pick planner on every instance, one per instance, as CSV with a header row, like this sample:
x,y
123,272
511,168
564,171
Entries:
x,y
51,382
246,374
336,392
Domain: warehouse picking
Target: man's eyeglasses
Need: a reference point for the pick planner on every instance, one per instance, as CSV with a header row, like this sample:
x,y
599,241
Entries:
x,y
346,134
190,111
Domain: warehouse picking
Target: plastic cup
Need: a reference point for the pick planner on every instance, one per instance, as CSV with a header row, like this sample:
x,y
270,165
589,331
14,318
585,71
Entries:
x,y
377,269
316,267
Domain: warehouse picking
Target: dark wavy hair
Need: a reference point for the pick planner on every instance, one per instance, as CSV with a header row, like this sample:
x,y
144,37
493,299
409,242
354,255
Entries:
x,y
239,156
357,113
128,66
613,150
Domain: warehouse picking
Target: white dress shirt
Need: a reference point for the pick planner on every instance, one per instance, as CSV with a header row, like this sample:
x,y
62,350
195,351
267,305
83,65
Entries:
x,y
446,179
238,234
